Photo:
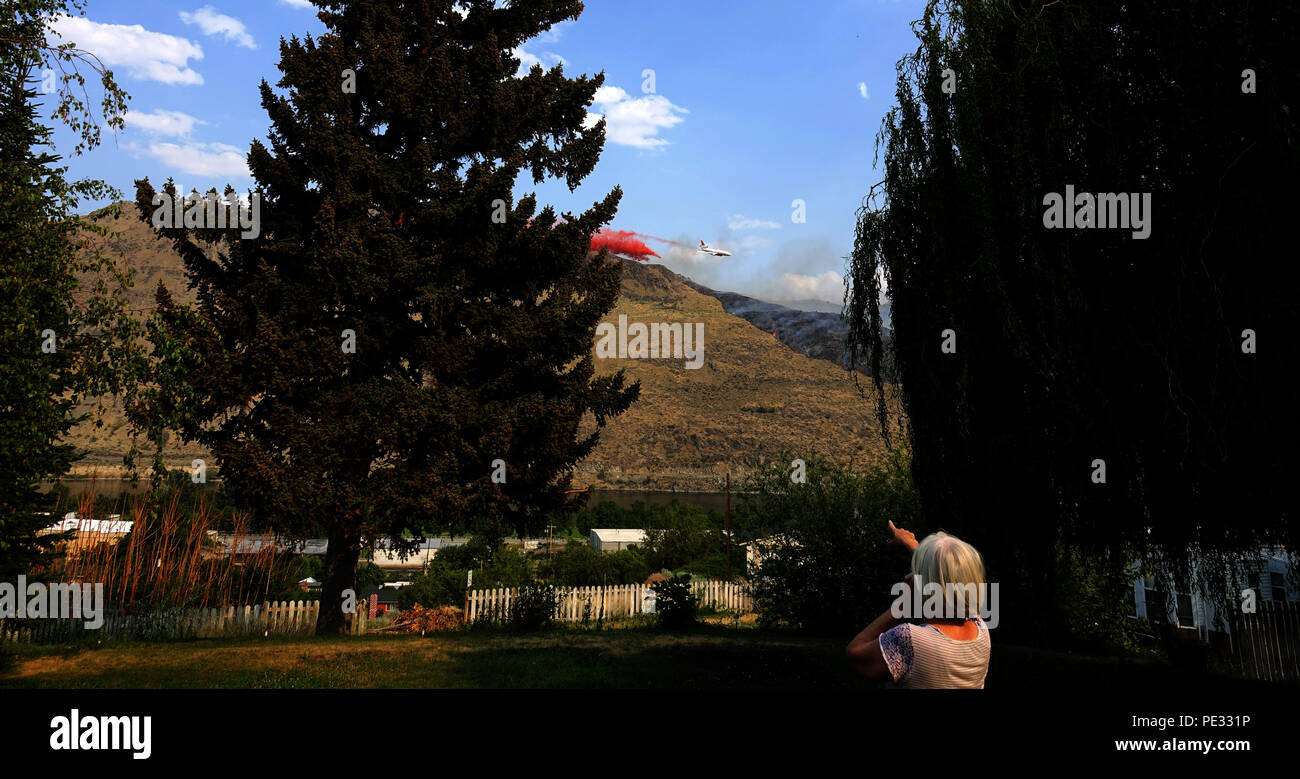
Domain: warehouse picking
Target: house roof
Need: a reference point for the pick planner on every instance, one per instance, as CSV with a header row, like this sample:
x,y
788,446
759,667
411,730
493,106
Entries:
x,y
259,543
619,535
427,543
387,595
252,544
778,539
84,525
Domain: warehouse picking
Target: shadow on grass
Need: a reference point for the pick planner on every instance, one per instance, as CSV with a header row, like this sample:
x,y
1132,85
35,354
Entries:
x,y
711,657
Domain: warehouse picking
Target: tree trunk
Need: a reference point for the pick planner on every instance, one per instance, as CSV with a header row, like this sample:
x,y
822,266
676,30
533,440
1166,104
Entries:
x,y
340,574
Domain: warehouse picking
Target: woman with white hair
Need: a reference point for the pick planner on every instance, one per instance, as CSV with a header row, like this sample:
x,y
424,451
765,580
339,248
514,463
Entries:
x,y
948,651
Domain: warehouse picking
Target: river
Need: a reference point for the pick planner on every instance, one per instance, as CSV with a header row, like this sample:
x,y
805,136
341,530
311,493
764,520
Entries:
x,y
709,501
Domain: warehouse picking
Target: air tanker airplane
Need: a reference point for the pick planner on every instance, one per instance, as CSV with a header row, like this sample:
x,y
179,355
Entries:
x,y
705,249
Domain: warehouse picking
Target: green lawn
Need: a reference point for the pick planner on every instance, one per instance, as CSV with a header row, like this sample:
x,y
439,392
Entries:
x,y
710,657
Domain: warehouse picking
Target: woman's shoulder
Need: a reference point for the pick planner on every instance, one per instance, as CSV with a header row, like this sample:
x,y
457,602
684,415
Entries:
x,y
897,648
941,635
897,637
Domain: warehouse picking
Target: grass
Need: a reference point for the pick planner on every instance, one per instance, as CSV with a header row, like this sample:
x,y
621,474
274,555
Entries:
x,y
708,657
564,658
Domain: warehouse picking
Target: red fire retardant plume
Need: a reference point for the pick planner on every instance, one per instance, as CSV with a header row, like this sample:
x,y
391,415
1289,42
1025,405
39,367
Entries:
x,y
624,242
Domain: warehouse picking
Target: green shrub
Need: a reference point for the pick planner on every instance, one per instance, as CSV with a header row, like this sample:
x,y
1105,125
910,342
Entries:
x,y
1095,598
444,583
370,575
677,534
580,565
827,560
533,607
716,566
439,587
676,607
677,547
607,513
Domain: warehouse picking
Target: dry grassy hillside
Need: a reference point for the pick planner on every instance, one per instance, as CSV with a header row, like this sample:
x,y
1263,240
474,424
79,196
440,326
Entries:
x,y
754,397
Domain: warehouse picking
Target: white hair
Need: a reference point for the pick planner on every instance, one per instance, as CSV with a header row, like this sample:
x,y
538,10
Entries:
x,y
955,566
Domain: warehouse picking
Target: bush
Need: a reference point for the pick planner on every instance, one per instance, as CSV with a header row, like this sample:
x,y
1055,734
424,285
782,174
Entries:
x,y
309,566
439,587
676,606
1095,597
507,567
677,534
580,565
607,513
827,560
716,566
677,547
444,584
533,607
369,574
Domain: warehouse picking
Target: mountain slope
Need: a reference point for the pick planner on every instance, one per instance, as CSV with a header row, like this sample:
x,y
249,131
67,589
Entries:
x,y
811,327
753,397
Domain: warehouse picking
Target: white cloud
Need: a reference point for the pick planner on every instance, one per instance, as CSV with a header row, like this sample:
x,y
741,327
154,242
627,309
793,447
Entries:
x,y
546,59
634,121
824,286
213,23
739,222
862,90
163,122
153,56
746,244
214,160
556,32
527,59
297,3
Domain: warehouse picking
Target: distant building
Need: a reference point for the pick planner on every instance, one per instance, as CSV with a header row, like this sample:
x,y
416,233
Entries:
x,y
616,539
385,596
760,548
88,532
246,546
391,559
1267,575
242,547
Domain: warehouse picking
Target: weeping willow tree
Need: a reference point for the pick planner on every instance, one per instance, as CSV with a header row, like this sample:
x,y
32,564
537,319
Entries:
x,y
1033,357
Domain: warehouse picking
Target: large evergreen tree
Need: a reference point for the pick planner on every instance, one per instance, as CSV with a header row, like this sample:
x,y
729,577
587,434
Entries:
x,y
64,330
387,211
1074,346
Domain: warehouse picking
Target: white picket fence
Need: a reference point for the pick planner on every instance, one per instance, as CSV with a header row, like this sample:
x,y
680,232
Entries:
x,y
270,618
577,603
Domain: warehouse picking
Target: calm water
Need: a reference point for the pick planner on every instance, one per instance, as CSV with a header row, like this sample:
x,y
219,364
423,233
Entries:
x,y
109,488
709,501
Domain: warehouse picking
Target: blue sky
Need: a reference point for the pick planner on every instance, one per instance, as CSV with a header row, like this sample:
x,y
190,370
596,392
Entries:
x,y
754,105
